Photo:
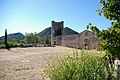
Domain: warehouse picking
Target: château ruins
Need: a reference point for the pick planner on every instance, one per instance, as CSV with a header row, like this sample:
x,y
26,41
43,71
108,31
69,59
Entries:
x,y
85,39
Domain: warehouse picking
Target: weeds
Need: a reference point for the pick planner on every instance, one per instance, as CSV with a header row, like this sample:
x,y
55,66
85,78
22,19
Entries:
x,y
86,66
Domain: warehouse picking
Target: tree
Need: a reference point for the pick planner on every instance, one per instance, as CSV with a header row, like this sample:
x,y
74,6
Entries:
x,y
31,38
110,9
110,38
47,41
6,44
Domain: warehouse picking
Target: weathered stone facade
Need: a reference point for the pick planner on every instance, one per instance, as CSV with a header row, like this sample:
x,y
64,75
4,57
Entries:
x,y
85,39
56,30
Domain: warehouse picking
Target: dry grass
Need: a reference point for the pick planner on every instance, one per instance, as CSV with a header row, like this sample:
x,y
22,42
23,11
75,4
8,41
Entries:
x,y
25,63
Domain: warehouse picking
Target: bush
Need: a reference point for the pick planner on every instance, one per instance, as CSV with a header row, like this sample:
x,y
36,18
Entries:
x,y
78,67
12,44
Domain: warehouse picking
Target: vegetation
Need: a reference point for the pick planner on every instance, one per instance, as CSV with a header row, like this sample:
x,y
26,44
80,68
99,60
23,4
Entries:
x,y
110,38
47,41
13,44
12,38
86,66
19,40
6,44
29,40
92,66
6,38
16,39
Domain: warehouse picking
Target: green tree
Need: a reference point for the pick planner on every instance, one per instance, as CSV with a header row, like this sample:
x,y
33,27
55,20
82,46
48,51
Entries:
x,y
110,38
110,9
6,44
31,38
47,41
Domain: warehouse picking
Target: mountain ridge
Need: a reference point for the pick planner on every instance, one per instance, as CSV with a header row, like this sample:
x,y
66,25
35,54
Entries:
x,y
15,34
47,32
44,33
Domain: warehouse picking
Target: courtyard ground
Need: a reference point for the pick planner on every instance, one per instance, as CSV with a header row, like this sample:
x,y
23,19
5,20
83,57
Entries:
x,y
26,63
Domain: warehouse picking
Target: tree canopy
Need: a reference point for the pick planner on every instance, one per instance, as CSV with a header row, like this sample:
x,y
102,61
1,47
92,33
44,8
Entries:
x,y
31,38
110,9
110,38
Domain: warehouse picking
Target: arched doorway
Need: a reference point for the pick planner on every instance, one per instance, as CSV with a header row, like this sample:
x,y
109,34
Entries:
x,y
54,42
85,44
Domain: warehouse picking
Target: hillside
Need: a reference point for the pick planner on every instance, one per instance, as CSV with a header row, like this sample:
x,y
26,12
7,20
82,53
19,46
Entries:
x,y
14,37
68,31
19,37
15,34
47,32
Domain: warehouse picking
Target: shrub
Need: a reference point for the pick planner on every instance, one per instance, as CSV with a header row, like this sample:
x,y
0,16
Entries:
x,y
90,66
12,44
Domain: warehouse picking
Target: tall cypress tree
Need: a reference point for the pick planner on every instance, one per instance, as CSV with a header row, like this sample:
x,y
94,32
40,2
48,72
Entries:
x,y
6,44
6,37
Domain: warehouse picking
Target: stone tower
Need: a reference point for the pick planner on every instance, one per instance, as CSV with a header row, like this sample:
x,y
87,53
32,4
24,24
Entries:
x,y
56,30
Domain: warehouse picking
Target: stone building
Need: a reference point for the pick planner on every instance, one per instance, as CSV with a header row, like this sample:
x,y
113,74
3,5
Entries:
x,y
85,39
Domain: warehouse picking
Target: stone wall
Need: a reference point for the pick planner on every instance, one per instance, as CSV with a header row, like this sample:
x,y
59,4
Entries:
x,y
78,40
91,40
70,41
85,39
58,40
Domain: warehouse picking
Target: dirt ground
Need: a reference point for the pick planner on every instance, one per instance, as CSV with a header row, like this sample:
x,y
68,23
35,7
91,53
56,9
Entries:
x,y
25,63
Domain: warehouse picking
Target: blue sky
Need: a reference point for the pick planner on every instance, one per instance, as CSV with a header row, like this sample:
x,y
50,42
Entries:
x,y
36,15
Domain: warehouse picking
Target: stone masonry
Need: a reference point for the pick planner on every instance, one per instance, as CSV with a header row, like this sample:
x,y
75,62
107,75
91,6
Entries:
x,y
85,39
